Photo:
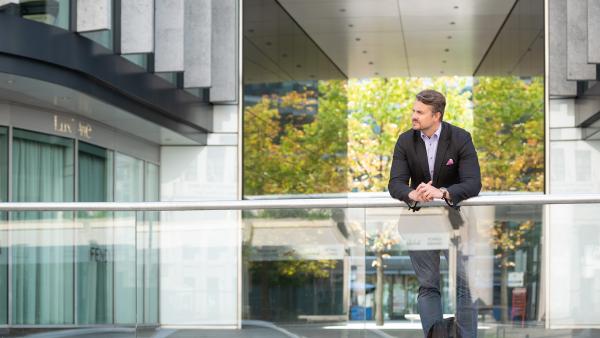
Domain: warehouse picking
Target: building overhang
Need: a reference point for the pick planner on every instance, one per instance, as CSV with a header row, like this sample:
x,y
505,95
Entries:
x,y
53,55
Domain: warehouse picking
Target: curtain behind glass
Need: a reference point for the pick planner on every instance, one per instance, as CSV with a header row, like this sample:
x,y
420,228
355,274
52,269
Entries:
x,y
3,232
42,243
95,237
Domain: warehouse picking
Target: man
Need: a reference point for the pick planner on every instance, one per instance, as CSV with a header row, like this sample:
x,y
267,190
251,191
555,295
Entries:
x,y
440,162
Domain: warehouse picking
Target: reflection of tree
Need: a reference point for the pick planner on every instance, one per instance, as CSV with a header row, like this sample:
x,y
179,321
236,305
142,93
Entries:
x,y
291,269
506,241
381,242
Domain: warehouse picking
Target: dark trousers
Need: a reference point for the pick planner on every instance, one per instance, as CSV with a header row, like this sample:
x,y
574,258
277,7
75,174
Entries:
x,y
427,268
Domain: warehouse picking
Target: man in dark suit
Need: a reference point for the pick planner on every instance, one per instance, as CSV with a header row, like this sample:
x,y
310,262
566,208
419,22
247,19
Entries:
x,y
436,160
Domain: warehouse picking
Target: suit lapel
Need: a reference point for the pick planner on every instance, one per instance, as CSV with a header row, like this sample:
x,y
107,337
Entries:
x,y
443,144
421,155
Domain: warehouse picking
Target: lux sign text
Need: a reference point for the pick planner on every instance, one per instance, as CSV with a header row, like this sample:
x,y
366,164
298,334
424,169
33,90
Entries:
x,y
71,126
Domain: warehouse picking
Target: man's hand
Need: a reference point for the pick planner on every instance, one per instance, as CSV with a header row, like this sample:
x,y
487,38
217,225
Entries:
x,y
428,192
416,196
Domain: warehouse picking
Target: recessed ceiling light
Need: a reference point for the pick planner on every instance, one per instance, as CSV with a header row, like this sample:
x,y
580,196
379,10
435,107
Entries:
x,y
357,39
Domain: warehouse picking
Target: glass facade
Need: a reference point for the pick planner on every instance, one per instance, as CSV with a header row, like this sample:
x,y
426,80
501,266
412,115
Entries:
x,y
329,134
83,270
295,107
314,270
148,251
94,237
3,233
348,128
310,129
3,164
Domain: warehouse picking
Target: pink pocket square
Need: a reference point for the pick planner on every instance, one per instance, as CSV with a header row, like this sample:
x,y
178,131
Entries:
x,y
450,162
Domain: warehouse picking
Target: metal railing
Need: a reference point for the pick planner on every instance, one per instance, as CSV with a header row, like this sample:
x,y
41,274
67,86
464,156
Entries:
x,y
299,203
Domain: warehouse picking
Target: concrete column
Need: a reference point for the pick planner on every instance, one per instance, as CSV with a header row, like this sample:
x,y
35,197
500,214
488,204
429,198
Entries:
x,y
224,51
137,26
168,36
198,44
593,29
578,67
557,26
199,250
93,15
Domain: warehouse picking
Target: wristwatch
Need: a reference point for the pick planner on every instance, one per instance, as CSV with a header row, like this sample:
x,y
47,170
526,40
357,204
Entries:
x,y
445,193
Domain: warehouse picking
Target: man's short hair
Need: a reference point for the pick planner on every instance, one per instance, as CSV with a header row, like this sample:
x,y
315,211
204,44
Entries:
x,y
434,99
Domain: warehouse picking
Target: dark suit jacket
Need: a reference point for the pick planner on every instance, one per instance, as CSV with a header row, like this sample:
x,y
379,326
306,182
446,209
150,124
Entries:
x,y
410,168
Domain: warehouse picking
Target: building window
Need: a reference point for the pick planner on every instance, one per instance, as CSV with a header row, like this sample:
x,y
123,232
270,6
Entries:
x,y
42,167
95,173
94,231
3,234
51,12
42,247
89,269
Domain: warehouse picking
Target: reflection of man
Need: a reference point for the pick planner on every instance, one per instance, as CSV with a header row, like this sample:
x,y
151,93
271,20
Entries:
x,y
440,161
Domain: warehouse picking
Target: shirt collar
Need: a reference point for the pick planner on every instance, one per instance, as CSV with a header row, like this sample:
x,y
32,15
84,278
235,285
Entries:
x,y
438,132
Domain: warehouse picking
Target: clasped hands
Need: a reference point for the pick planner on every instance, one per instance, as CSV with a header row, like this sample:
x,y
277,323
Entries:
x,y
425,192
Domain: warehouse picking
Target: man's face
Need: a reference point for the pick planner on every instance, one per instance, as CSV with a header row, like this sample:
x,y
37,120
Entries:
x,y
423,117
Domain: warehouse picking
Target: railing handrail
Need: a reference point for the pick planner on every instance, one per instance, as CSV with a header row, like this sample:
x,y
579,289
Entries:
x,y
349,202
